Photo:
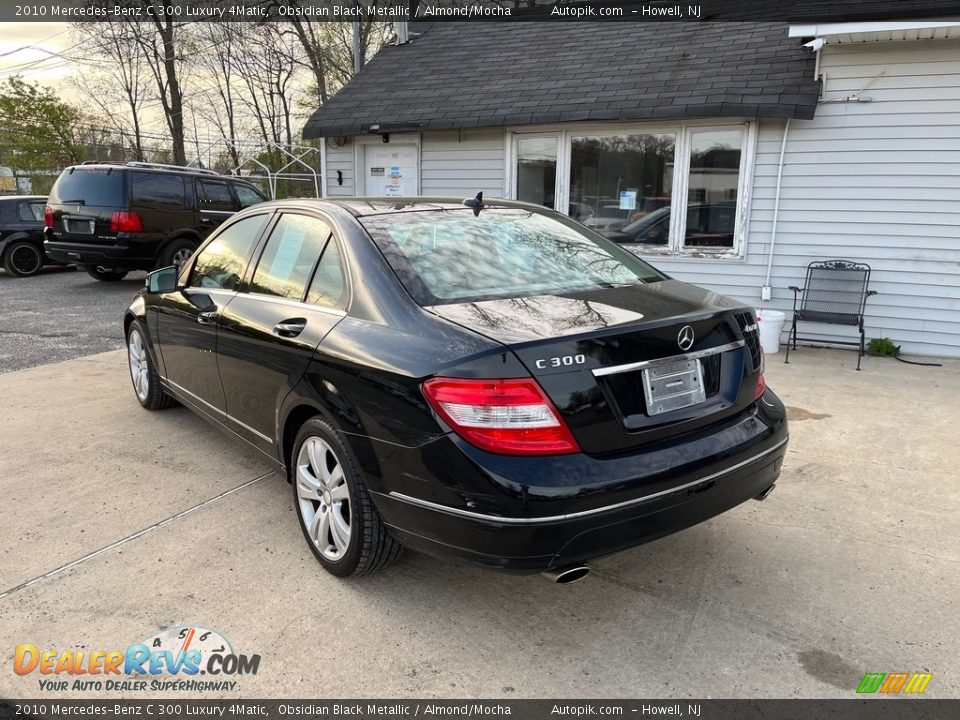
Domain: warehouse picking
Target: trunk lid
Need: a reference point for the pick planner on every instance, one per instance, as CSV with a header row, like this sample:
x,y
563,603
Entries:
x,y
612,361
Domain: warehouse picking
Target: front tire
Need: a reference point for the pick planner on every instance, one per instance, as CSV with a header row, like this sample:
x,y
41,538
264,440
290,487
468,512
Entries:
x,y
23,259
143,372
337,516
98,272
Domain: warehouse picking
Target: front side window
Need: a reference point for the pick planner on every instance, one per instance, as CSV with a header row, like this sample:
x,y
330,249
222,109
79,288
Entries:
x,y
714,179
288,259
247,195
618,179
221,263
453,256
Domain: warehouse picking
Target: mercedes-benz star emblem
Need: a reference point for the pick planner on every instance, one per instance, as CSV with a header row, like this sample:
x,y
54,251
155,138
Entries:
x,y
685,337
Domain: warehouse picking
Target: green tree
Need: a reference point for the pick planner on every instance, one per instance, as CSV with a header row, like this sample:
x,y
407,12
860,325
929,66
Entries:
x,y
38,131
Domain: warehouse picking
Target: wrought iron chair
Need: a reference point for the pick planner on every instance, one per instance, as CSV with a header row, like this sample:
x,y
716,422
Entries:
x,y
835,292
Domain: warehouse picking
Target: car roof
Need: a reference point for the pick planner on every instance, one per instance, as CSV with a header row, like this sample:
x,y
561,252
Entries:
x,y
198,172
364,206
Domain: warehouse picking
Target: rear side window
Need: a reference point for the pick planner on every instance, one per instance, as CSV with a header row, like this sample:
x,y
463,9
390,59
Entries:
x,y
247,195
288,259
30,211
101,188
329,286
157,189
215,195
221,263
452,256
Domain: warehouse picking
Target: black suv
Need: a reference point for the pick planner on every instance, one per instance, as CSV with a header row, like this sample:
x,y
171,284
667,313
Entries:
x,y
21,234
111,219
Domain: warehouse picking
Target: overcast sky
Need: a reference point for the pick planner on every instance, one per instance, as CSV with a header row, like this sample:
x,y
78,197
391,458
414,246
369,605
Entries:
x,y
51,36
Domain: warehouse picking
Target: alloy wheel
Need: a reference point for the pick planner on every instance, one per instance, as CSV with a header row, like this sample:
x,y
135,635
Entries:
x,y
324,498
181,256
139,369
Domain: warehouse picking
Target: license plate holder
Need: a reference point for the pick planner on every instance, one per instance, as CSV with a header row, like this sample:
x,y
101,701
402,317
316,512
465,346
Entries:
x,y
79,226
673,386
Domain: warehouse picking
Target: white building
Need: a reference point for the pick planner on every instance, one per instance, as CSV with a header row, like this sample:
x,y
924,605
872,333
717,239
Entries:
x,y
780,154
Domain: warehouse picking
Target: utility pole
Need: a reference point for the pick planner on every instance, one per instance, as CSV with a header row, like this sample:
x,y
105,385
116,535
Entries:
x,y
356,42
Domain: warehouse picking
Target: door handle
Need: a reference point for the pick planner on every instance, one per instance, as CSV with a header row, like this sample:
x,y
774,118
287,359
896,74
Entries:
x,y
290,328
205,317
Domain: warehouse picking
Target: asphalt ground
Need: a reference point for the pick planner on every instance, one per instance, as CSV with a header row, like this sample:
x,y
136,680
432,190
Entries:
x,y
60,314
118,522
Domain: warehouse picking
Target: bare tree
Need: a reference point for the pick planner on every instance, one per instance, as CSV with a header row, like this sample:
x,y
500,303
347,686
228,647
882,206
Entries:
x,y
217,95
116,87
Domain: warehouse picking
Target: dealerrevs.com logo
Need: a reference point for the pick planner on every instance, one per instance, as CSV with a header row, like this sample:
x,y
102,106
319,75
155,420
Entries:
x,y
171,660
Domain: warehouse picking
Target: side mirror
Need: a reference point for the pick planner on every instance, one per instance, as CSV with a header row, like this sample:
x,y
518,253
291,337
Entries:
x,y
163,280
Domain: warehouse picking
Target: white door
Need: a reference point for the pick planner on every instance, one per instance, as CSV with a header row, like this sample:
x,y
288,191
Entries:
x,y
391,169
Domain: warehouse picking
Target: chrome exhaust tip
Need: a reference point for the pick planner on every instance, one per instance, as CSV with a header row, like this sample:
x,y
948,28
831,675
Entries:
x,y
765,494
567,575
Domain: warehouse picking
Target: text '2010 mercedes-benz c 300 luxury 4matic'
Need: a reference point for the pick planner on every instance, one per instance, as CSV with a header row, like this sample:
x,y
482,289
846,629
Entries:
x,y
485,381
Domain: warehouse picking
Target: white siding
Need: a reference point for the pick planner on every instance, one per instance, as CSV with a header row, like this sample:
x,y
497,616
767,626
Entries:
x,y
455,162
339,158
462,162
876,182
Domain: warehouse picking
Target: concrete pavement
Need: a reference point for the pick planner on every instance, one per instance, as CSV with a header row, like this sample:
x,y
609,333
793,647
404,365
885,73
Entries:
x,y
851,566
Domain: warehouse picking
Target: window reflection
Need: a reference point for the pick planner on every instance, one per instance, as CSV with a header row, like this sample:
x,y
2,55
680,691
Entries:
x,y
537,170
616,180
713,182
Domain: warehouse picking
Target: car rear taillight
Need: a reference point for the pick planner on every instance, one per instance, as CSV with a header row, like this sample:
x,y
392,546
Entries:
x,y
48,217
761,386
511,417
125,221
761,383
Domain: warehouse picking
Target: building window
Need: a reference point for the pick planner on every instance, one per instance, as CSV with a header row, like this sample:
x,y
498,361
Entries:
x,y
537,169
713,181
617,180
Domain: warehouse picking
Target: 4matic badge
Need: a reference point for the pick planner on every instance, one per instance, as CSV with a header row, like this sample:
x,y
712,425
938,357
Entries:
x,y
181,650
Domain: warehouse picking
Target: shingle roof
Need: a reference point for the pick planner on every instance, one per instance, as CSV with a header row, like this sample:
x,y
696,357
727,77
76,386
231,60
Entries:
x,y
458,75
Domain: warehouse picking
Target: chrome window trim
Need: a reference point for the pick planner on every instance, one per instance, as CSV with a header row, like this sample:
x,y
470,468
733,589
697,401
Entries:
x,y
218,411
629,367
584,513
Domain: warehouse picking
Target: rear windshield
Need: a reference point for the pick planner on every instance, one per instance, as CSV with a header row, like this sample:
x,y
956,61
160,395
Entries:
x,y
89,187
452,256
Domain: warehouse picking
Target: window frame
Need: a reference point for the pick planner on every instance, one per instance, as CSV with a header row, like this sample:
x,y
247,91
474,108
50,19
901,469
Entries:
x,y
683,130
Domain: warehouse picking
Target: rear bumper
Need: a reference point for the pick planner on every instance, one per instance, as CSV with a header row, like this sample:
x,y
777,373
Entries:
x,y
119,253
639,502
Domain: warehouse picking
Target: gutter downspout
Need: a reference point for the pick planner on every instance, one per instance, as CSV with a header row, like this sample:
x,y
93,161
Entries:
x,y
765,292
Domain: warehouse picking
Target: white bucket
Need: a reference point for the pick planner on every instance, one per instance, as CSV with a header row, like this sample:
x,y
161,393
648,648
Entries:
x,y
771,325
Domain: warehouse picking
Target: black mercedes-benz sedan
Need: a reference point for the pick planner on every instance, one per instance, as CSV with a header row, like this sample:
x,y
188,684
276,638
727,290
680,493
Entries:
x,y
487,381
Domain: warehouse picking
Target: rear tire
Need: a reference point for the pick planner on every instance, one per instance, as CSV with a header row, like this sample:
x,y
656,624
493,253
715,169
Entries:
x,y
143,371
23,259
98,272
177,252
337,516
